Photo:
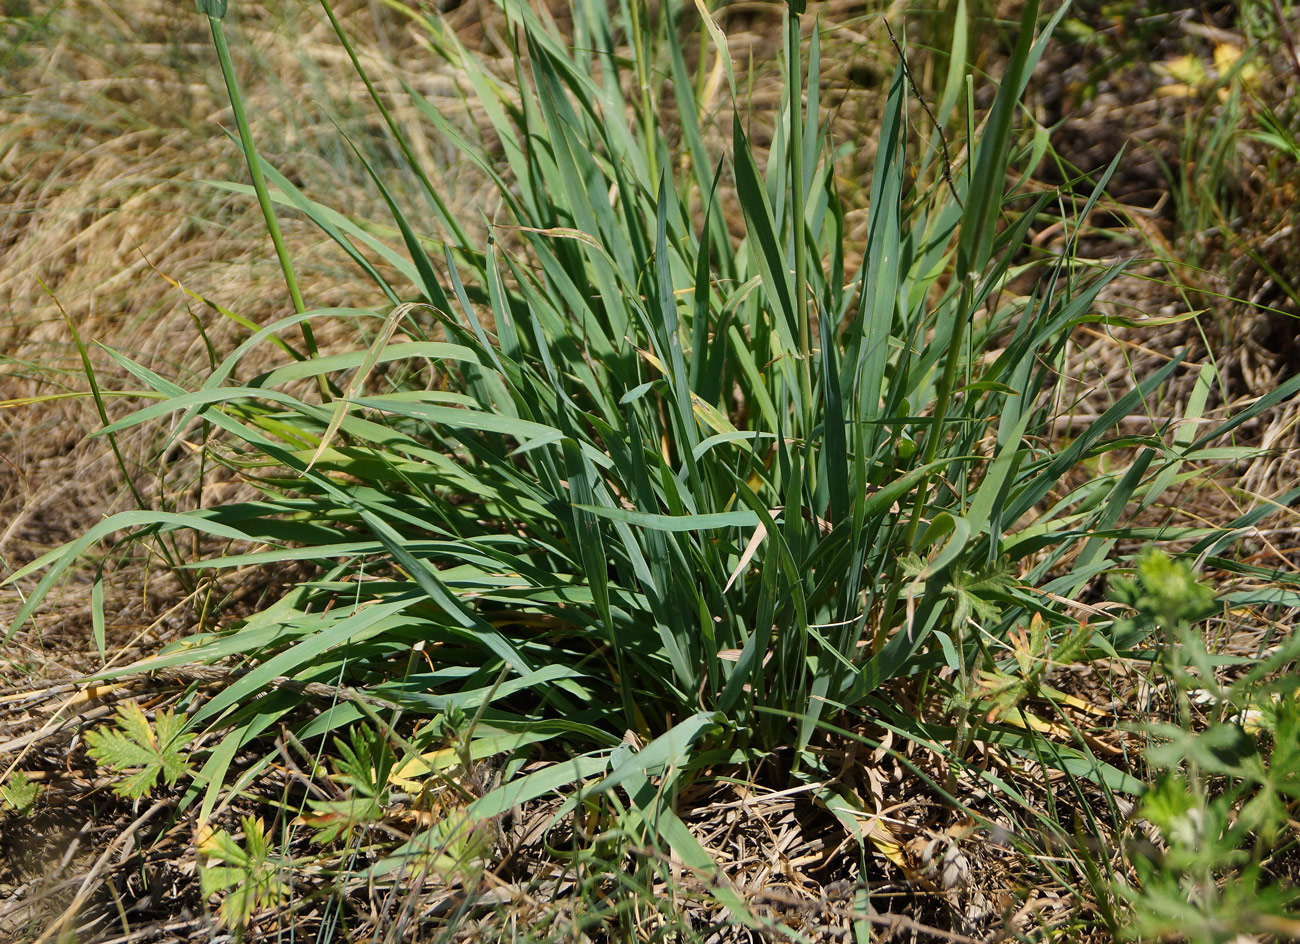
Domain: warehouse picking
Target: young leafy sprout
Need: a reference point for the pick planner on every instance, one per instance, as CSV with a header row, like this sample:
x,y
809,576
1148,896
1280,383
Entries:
x,y
158,750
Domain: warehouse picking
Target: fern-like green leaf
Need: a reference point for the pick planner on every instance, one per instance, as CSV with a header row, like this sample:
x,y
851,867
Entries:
x,y
132,743
20,793
250,874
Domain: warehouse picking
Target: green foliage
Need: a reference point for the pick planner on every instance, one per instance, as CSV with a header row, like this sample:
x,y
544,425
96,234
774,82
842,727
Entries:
x,y
635,460
1168,600
611,468
1225,828
364,764
1223,812
158,750
456,849
1035,656
19,793
250,874
1165,593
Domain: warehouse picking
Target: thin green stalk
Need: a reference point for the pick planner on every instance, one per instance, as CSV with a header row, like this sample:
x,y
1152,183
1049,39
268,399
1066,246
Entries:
x,y
170,553
942,400
795,84
975,244
943,395
204,456
259,184
641,47
98,396
439,205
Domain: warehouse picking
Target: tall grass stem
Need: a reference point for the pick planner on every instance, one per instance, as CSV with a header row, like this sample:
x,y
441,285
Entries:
x,y
259,186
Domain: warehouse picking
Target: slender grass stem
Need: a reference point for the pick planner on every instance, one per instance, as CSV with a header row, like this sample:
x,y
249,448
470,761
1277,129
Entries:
x,y
641,45
942,400
171,554
259,187
797,198
445,216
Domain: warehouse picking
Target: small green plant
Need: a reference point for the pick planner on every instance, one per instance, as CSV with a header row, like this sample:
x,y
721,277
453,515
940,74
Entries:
x,y
19,793
1224,812
1223,809
1035,654
364,764
158,750
250,873
1167,600
1165,594
457,848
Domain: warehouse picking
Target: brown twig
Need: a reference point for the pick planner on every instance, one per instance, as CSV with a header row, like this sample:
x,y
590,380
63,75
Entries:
x,y
1288,38
828,904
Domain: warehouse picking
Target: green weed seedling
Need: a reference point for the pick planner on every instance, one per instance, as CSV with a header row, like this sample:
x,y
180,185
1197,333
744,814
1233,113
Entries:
x,y
19,793
159,750
364,763
1168,601
1223,809
250,874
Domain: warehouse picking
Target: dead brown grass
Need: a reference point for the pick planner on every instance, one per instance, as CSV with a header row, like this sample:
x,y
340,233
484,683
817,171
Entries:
x,y
106,139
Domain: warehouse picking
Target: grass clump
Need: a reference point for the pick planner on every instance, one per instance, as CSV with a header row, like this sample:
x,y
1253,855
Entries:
x,y
651,474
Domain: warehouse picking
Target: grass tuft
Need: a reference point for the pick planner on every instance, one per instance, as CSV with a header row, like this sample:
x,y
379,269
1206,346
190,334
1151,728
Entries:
x,y
646,478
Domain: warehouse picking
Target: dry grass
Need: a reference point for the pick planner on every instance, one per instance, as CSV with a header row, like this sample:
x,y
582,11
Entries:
x,y
106,140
